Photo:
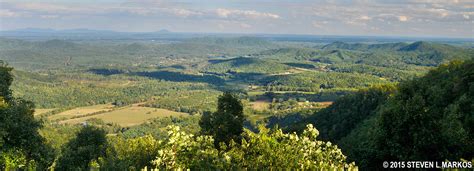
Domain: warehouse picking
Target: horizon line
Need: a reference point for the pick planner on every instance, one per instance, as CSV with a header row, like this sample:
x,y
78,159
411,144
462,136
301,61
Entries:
x,y
167,31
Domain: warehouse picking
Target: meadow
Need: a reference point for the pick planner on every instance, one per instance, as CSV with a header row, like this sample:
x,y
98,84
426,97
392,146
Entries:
x,y
127,116
81,111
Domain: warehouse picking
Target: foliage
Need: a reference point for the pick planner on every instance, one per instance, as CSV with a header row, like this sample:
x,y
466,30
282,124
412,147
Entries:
x,y
130,154
13,159
182,150
246,64
39,55
348,122
427,118
154,127
89,144
339,119
359,144
267,149
6,81
419,53
282,96
72,89
19,129
315,81
226,123
58,135
188,101
393,74
430,118
275,150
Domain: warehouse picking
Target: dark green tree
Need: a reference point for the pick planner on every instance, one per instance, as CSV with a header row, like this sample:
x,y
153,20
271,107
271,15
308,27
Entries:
x,y
430,118
348,122
227,122
6,80
339,119
19,129
89,144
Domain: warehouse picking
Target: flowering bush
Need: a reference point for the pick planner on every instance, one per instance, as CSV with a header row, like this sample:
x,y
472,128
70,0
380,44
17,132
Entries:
x,y
263,150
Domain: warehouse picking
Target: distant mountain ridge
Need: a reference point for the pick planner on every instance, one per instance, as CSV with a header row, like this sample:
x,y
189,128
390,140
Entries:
x,y
363,46
384,54
240,41
419,46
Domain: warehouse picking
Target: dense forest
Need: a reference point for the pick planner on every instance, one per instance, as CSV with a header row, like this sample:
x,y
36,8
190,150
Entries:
x,y
430,118
133,72
218,103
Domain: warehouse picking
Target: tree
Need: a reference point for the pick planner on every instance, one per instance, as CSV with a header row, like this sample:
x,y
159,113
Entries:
x,y
89,144
430,118
227,122
6,80
268,149
19,129
346,113
131,153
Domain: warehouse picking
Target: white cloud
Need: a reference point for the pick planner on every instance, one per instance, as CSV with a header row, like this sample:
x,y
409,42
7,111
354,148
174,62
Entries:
x,y
345,17
223,12
319,24
466,16
139,11
53,8
6,13
185,13
232,13
402,18
364,17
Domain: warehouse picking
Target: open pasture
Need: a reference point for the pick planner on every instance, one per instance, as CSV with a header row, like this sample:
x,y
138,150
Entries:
x,y
42,111
81,111
128,116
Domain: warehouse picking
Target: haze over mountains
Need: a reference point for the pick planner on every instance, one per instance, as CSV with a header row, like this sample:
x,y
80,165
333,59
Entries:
x,y
163,34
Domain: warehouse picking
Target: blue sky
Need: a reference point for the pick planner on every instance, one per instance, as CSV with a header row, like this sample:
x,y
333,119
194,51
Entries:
x,y
435,18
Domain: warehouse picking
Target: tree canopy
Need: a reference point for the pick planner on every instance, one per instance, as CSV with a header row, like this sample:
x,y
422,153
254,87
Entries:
x,y
89,144
430,118
227,122
19,134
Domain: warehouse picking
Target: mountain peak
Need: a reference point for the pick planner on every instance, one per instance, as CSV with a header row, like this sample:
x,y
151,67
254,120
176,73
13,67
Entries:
x,y
417,46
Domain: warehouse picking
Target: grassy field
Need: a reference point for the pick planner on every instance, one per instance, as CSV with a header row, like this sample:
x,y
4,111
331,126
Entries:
x,y
80,111
324,104
42,111
128,116
260,105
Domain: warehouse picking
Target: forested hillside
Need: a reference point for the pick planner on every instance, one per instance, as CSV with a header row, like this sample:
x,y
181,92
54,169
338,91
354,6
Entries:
x,y
430,118
254,65
92,149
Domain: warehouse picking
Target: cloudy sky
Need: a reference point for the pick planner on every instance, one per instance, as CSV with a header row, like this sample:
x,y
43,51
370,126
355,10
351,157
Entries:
x,y
439,18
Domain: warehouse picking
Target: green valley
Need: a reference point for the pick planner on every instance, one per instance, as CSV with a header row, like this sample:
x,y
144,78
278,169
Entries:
x,y
140,99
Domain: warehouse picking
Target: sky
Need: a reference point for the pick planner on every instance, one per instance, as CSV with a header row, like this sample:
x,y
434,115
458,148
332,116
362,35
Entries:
x,y
408,18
